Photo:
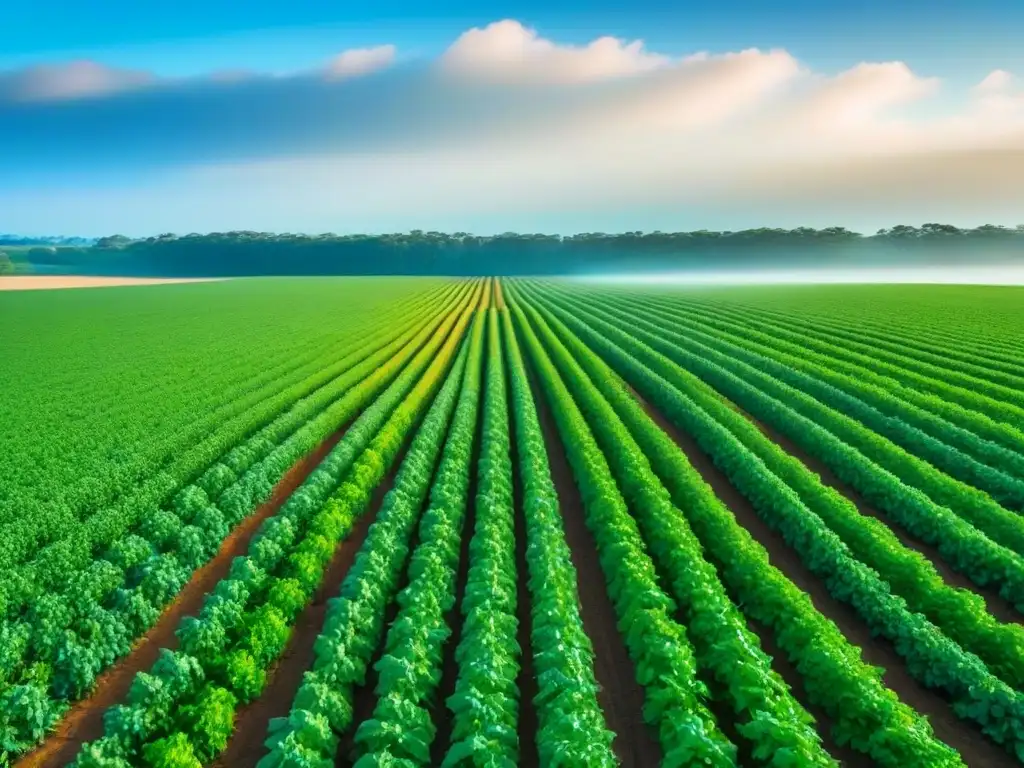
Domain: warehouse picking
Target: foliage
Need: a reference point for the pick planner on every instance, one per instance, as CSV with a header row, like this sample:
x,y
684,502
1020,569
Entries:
x,y
410,670
485,704
322,709
461,253
246,634
931,657
675,701
770,717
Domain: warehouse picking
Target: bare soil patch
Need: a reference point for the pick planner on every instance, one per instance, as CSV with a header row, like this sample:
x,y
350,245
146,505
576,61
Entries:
x,y
49,282
84,721
962,736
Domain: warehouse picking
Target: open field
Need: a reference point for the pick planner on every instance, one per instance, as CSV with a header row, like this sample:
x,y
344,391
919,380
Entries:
x,y
44,282
424,522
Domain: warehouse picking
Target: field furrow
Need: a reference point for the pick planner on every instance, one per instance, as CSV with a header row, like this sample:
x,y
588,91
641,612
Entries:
x,y
297,523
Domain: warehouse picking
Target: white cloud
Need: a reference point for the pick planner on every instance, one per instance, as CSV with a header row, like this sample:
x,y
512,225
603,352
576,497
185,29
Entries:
x,y
997,100
863,93
89,79
511,125
71,80
360,61
996,81
506,51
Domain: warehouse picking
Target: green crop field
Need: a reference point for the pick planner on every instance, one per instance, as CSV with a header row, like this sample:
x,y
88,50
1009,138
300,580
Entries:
x,y
298,523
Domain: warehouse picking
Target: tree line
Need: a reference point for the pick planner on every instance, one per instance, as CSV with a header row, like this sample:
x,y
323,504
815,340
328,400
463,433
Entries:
x,y
462,253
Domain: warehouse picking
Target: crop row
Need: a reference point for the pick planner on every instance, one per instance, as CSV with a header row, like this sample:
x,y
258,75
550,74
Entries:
x,y
354,626
976,398
839,411
171,490
485,703
409,671
675,700
961,614
137,581
884,394
725,648
571,728
1005,371
80,630
245,623
967,549
931,656
207,403
864,713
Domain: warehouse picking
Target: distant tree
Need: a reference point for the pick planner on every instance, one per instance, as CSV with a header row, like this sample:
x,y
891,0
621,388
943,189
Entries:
x,y
113,241
41,254
940,230
423,252
6,265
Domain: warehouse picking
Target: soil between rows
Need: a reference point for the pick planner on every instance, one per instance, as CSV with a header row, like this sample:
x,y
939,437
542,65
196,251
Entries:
x,y
84,721
621,697
972,745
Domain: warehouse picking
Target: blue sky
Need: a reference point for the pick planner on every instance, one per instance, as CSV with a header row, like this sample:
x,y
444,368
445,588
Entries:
x,y
123,156
194,36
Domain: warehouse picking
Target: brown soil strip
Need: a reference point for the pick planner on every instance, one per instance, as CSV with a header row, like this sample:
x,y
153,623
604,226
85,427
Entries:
x,y
962,736
84,721
621,697
441,716
44,282
529,757
245,748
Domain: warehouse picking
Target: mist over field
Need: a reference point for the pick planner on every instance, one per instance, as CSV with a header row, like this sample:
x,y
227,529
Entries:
x,y
933,275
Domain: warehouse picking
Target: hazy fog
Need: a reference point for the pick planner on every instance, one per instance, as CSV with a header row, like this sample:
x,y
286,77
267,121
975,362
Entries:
x,y
973,275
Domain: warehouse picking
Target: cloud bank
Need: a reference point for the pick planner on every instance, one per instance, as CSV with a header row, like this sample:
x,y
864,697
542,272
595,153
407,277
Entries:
x,y
70,80
507,123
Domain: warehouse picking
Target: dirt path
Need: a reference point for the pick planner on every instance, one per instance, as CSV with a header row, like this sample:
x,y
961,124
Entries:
x,y
962,736
621,697
245,748
84,721
47,282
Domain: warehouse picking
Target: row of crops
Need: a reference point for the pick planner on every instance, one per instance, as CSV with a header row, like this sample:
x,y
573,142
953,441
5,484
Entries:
x,y
516,522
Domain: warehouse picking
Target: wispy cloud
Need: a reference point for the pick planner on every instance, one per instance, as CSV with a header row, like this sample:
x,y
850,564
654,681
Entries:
x,y
508,52
507,121
70,80
361,61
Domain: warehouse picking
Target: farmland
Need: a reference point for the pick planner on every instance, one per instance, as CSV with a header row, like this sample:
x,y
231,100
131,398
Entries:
x,y
298,523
